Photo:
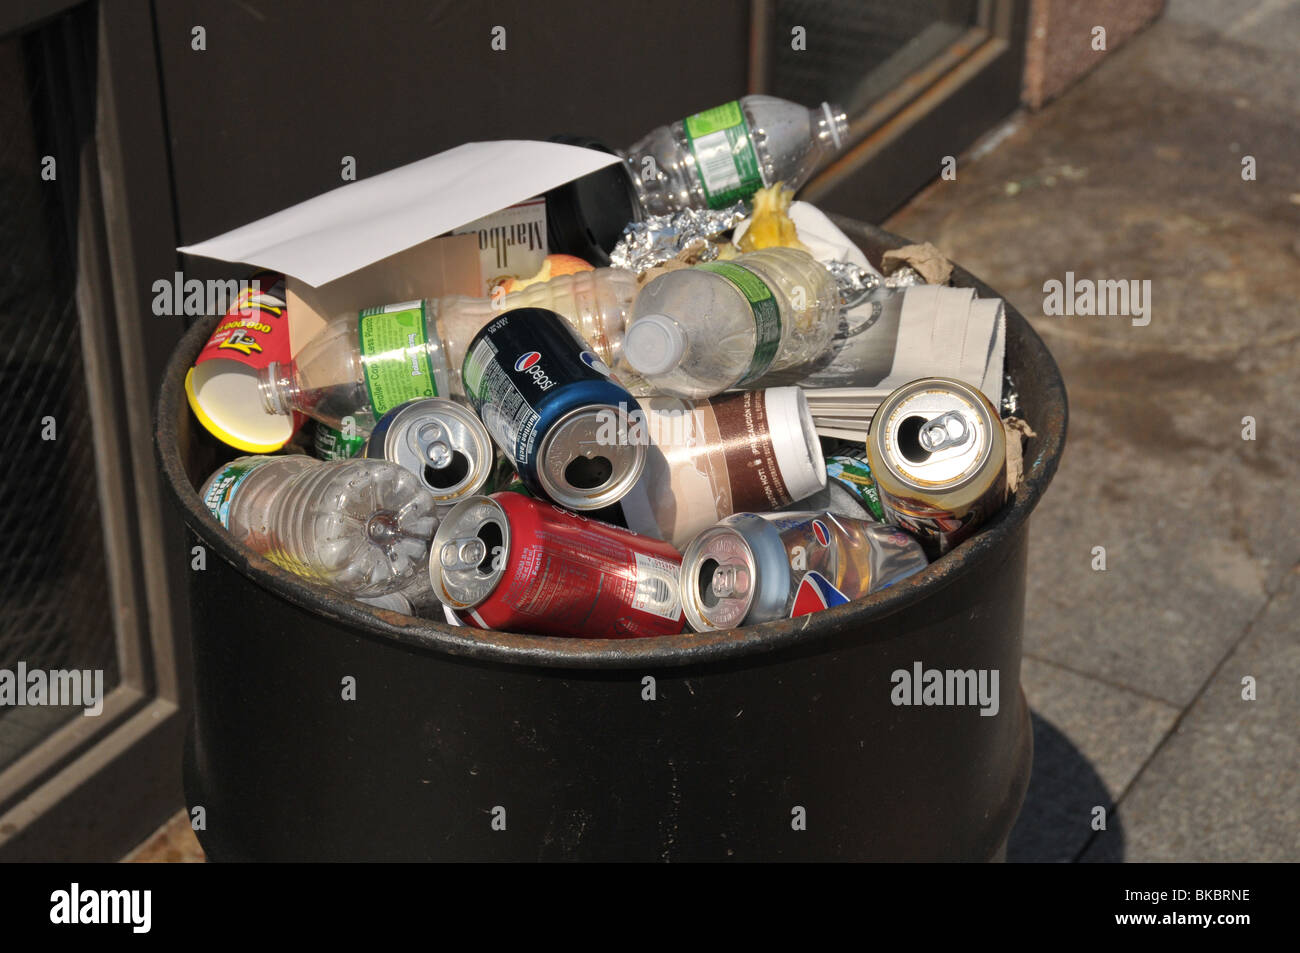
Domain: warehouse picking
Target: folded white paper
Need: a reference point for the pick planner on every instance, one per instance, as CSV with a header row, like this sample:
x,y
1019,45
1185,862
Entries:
x,y
365,221
891,339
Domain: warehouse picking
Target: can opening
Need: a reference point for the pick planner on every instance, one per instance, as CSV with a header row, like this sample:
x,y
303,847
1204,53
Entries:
x,y
490,534
453,474
588,473
909,440
707,596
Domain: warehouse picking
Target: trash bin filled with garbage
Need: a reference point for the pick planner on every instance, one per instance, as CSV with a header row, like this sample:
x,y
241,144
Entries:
x,y
576,503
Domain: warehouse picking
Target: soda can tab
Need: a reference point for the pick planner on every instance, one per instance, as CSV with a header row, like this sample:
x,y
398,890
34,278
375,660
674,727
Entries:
x,y
330,444
753,568
938,454
222,387
441,442
551,405
512,563
752,451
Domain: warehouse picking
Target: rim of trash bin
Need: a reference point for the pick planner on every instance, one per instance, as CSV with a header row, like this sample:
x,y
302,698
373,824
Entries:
x,y
664,651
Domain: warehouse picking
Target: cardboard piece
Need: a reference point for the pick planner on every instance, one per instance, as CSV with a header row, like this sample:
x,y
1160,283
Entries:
x,y
431,269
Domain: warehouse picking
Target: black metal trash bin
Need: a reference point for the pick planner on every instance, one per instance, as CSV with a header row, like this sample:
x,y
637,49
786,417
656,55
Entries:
x,y
779,741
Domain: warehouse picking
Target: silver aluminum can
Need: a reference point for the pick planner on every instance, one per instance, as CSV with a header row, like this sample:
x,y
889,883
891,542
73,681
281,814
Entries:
x,y
441,442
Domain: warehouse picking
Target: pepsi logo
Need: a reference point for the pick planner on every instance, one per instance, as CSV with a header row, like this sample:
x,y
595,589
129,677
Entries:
x,y
525,361
814,594
821,532
595,363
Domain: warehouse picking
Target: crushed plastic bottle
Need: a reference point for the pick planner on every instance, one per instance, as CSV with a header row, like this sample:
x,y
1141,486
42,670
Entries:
x,y
698,331
360,367
362,527
713,158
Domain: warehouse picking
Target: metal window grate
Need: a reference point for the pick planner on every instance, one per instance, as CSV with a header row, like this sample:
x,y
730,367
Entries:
x,y
857,51
55,608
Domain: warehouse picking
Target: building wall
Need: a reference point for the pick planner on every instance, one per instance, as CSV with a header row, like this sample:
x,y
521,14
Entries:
x,y
1060,47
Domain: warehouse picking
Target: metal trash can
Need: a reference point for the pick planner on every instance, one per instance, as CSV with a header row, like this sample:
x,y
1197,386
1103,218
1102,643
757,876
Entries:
x,y
775,742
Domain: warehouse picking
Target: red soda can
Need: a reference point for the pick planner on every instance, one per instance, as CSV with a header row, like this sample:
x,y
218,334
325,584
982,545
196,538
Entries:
x,y
517,564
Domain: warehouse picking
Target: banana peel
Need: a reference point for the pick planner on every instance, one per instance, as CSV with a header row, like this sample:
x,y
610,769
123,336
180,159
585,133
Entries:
x,y
770,226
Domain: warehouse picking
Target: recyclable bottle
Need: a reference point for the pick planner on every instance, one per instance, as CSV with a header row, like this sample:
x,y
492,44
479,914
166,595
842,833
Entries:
x,y
362,527
714,158
698,331
362,366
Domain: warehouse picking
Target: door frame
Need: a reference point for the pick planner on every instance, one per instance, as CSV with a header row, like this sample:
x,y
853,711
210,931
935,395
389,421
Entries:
x,y
939,110
95,787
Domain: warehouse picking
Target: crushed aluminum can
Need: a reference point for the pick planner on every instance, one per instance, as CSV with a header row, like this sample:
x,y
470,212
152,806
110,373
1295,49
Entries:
x,y
755,567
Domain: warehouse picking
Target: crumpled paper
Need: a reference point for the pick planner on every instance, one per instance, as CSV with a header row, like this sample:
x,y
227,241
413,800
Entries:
x,y
1016,430
925,258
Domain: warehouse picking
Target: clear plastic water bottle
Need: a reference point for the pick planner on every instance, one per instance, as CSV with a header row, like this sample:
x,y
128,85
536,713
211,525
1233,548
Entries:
x,y
714,158
698,331
362,366
362,527
597,304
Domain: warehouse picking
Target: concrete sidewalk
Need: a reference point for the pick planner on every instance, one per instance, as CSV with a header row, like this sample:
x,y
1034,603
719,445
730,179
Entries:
x,y
1136,673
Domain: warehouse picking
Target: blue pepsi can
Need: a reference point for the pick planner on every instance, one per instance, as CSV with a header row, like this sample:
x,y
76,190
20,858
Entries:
x,y
553,407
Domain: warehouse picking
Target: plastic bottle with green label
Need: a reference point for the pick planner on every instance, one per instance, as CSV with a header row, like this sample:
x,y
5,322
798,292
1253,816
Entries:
x,y
362,366
721,155
696,332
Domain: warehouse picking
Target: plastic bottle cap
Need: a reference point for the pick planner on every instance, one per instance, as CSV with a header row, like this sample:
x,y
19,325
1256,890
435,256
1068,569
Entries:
x,y
832,113
654,344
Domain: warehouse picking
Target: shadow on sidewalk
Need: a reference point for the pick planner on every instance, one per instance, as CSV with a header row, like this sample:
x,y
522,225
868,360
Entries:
x,y
1056,822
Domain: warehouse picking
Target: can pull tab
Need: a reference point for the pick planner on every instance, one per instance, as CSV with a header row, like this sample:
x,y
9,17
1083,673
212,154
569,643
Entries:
x,y
466,552
946,430
729,581
437,451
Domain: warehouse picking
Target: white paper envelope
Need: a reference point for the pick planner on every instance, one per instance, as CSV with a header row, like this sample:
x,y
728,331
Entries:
x,y
362,222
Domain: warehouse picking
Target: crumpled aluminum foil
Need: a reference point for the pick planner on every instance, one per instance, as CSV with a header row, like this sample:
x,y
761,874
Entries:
x,y
856,283
1010,397
904,277
659,238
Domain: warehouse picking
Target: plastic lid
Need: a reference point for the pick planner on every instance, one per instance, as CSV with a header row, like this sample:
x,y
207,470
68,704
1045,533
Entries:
x,y
224,395
586,217
654,344
794,440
